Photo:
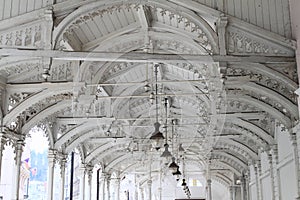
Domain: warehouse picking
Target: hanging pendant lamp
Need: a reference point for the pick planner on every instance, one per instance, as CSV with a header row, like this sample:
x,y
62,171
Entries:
x,y
157,137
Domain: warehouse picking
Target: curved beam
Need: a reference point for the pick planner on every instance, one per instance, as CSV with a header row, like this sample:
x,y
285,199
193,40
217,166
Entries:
x,y
253,87
222,179
255,129
241,146
236,160
228,166
80,139
90,125
118,160
257,67
265,107
248,134
212,36
50,136
96,152
132,37
48,90
45,113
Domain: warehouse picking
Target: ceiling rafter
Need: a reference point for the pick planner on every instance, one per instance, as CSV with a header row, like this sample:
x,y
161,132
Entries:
x,y
141,57
145,17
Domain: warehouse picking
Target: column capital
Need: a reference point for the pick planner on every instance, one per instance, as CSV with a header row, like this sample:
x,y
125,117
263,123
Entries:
x,y
270,158
293,138
52,156
89,172
20,144
103,176
222,21
52,152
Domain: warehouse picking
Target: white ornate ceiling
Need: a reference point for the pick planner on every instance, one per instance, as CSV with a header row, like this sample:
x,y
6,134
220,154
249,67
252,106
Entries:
x,y
226,80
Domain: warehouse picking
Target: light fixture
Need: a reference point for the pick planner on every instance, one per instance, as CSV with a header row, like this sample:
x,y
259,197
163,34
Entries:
x,y
98,92
183,183
180,148
157,137
152,97
166,153
177,173
147,87
173,166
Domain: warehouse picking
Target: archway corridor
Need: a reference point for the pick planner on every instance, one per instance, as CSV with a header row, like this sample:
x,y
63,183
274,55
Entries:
x,y
149,99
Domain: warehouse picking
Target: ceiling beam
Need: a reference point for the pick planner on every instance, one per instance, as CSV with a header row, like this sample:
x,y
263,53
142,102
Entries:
x,y
144,16
141,57
82,119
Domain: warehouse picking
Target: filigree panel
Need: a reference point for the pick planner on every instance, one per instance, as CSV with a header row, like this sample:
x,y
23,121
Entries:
x,y
15,98
240,42
247,137
62,71
182,22
41,105
30,36
275,84
287,69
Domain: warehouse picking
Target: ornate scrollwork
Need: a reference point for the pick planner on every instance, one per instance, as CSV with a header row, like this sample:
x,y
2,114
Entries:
x,y
241,42
267,81
31,36
15,98
41,105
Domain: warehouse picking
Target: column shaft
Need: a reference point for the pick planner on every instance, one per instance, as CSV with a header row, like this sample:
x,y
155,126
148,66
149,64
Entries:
x,y
233,193
141,193
108,186
117,188
293,137
2,144
247,185
102,184
242,189
89,186
209,195
275,172
51,164
257,177
82,183
62,178
270,159
16,186
149,189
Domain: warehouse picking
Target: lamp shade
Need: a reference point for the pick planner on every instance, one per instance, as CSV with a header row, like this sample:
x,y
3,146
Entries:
x,y
173,166
166,153
177,173
183,183
157,137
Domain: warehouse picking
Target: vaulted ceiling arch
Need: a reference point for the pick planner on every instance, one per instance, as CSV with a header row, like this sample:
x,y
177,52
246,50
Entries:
x,y
79,129
231,143
241,132
230,160
263,91
277,74
262,106
43,93
80,15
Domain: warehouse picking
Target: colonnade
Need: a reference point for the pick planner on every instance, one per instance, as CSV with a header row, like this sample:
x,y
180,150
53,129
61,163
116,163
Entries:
x,y
109,187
